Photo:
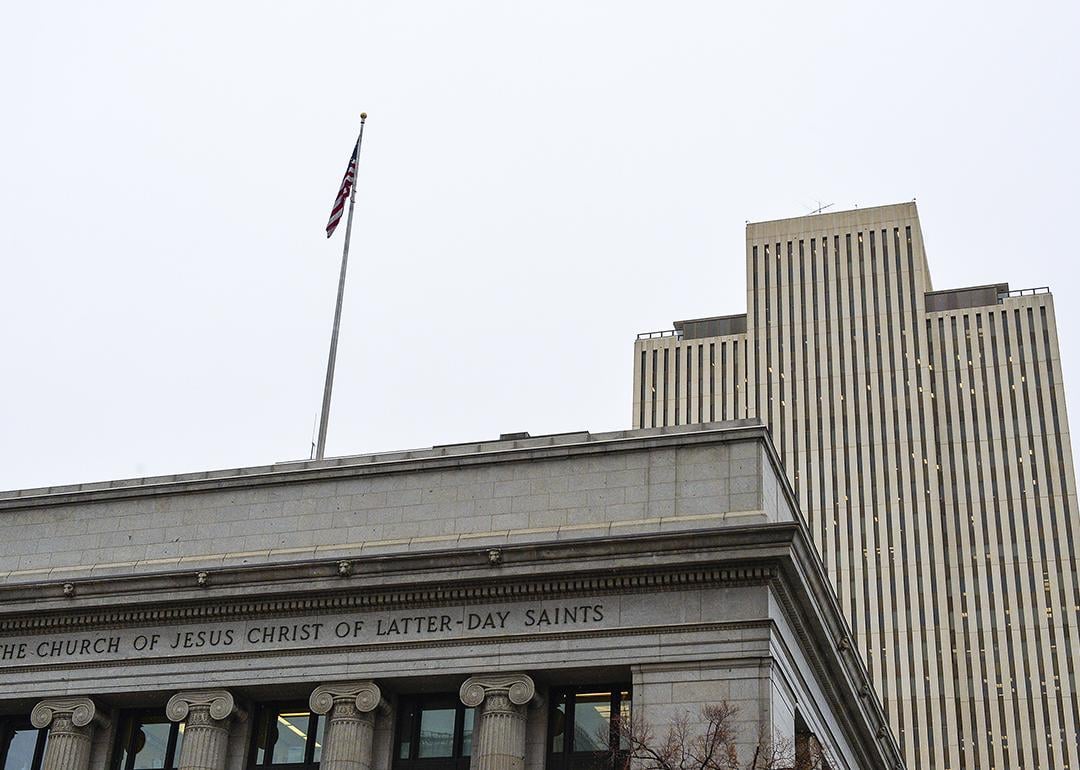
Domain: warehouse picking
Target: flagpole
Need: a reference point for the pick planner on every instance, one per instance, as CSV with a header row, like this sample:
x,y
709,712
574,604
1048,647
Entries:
x,y
320,448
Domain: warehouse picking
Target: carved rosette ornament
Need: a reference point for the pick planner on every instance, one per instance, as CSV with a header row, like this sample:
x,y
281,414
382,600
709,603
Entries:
x,y
500,700
350,726
207,715
71,723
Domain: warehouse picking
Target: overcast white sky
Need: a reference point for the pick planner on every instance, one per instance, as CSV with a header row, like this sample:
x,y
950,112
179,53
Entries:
x,y
540,181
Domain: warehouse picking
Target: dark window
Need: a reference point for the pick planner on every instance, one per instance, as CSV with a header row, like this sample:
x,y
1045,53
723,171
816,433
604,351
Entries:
x,y
434,732
22,745
286,735
147,740
583,727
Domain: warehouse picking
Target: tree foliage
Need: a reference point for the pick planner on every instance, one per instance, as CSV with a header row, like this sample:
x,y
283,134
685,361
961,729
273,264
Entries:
x,y
710,742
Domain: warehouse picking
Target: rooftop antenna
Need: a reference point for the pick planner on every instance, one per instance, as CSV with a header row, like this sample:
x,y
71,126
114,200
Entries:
x,y
821,207
314,427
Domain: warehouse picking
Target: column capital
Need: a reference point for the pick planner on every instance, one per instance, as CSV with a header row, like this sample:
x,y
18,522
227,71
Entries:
x,y
220,702
519,688
365,696
81,712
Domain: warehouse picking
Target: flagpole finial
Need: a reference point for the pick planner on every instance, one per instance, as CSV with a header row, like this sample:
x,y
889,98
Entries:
x,y
363,116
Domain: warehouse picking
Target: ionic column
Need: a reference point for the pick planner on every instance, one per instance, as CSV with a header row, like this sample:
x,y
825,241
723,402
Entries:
x,y
207,715
350,725
71,724
499,735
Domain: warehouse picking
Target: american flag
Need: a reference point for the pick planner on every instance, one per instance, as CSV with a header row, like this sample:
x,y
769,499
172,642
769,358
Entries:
x,y
343,193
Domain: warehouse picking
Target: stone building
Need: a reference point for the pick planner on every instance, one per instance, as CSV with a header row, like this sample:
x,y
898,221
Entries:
x,y
495,605
927,442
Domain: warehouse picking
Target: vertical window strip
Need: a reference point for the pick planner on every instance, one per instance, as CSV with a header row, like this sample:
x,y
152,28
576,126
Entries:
x,y
741,387
886,566
1043,488
712,381
923,524
641,394
652,401
807,474
946,623
756,335
990,692
664,412
976,664
897,552
867,524
819,346
700,382
1033,491
1005,676
1022,684
678,380
844,561
1048,356
689,383
790,372
951,587
829,556
765,370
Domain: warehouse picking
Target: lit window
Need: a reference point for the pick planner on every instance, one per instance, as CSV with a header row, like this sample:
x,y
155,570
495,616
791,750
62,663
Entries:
x,y
582,733
286,735
147,740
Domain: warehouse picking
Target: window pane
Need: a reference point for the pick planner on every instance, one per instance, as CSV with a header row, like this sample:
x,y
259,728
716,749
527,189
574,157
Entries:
x,y
558,725
320,725
20,753
151,741
624,720
291,742
467,733
405,730
592,721
437,733
265,734
179,744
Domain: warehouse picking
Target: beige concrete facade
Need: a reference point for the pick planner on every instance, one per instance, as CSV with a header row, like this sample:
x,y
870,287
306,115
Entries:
x,y
926,437
668,567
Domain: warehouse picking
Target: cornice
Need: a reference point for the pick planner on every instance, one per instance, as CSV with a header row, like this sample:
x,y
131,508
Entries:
x,y
437,458
290,580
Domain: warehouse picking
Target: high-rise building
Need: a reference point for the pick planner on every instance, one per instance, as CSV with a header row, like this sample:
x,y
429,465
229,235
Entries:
x,y
926,436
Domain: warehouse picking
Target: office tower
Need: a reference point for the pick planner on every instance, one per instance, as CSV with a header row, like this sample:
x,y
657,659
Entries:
x,y
926,436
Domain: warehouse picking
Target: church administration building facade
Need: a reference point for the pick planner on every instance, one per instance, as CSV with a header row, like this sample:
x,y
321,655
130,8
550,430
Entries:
x,y
499,606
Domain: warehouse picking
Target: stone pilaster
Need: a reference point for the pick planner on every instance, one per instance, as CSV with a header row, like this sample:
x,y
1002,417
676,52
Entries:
x,y
71,723
350,709
499,735
207,715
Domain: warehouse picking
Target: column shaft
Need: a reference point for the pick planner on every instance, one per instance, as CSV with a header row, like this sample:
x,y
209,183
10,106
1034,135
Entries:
x,y
500,701
500,743
350,728
68,747
348,739
207,716
206,741
71,724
